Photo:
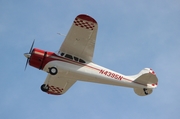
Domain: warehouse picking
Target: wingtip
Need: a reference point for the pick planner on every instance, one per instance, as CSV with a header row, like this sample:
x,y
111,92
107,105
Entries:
x,y
87,18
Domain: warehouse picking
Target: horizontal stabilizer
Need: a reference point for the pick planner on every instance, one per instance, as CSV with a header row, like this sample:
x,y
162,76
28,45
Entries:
x,y
146,76
142,91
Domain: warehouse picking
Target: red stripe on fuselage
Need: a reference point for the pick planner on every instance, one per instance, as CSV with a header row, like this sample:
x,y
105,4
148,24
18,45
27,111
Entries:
x,y
50,56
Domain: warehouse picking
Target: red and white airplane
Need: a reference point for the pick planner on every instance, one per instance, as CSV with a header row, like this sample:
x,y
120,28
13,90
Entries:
x,y
73,62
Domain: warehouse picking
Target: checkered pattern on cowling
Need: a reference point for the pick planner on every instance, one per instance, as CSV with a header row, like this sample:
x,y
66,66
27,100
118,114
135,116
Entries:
x,y
84,24
55,90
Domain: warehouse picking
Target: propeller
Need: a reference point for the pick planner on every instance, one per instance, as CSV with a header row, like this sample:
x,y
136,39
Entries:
x,y
28,55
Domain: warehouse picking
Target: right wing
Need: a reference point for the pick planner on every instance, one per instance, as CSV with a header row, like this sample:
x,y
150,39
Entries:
x,y
81,38
59,83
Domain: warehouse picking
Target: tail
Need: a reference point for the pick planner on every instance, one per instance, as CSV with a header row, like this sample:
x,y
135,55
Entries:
x,y
146,77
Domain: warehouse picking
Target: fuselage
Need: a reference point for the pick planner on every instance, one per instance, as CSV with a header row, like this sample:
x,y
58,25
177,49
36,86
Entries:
x,y
80,69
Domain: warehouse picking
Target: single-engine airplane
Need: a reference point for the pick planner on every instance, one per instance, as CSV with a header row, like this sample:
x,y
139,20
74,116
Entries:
x,y
73,62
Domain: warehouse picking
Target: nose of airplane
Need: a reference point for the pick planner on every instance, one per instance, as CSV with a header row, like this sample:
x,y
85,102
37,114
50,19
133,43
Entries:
x,y
27,55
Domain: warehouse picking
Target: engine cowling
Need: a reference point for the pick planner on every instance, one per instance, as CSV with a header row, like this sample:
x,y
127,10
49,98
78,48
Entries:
x,y
37,58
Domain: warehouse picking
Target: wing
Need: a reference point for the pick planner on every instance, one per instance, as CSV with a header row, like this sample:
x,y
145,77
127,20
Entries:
x,y
59,83
80,40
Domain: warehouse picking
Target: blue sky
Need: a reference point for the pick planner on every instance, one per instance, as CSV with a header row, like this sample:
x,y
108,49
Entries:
x,y
132,35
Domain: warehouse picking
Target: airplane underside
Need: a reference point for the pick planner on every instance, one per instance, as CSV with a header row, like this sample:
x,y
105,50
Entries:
x,y
90,73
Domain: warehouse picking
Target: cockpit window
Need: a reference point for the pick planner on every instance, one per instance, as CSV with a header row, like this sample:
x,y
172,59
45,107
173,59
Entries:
x,y
71,57
68,56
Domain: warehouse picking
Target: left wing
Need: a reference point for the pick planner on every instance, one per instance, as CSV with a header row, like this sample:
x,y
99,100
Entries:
x,y
81,38
59,83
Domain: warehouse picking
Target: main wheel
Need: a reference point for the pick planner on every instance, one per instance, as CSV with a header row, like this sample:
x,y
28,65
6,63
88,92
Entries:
x,y
44,88
53,70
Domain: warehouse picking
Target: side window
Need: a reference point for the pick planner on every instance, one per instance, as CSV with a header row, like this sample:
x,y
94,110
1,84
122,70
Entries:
x,y
73,58
68,56
76,59
62,54
82,61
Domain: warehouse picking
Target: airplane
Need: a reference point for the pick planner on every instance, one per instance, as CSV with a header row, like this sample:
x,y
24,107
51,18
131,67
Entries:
x,y
73,62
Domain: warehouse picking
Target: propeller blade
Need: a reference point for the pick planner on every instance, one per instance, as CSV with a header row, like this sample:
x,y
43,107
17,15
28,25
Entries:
x,y
28,55
27,61
31,47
